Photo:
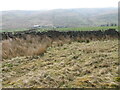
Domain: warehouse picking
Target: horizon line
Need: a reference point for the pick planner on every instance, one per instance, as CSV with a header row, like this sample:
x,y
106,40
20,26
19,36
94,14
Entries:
x,y
54,9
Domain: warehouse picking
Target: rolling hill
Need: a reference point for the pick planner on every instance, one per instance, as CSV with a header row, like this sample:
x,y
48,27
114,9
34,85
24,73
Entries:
x,y
59,17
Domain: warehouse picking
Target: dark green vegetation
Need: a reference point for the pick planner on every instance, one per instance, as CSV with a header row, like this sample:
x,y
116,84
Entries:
x,y
83,17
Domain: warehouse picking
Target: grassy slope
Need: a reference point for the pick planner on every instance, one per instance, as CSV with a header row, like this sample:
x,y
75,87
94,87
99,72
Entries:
x,y
59,17
86,28
13,30
64,29
71,65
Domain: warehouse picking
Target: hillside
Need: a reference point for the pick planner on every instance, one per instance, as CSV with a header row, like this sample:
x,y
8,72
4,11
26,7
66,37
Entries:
x,y
59,17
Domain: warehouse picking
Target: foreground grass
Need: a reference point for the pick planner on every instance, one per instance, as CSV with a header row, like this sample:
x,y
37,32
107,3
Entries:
x,y
72,65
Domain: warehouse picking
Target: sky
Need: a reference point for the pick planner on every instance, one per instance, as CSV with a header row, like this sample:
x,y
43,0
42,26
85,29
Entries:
x,y
55,4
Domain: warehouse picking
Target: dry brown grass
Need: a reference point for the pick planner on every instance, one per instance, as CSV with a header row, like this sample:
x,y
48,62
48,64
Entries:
x,y
75,65
36,45
32,45
20,47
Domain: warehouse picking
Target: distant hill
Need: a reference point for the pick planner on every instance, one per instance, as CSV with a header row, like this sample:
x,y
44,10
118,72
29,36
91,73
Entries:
x,y
59,17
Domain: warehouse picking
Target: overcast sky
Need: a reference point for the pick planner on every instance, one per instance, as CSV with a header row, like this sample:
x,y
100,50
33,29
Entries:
x,y
55,4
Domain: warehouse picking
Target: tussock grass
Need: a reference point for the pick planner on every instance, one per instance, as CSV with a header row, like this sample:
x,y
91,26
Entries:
x,y
24,47
36,45
62,62
72,65
30,45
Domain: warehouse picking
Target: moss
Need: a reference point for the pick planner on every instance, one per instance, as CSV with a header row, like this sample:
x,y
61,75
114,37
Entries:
x,y
87,41
9,65
114,85
75,57
80,41
117,79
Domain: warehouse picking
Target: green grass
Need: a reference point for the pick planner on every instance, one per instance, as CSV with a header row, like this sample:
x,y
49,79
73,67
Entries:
x,y
63,29
79,28
86,28
13,30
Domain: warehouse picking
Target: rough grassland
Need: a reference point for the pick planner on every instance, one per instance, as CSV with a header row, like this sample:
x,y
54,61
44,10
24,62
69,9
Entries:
x,y
73,65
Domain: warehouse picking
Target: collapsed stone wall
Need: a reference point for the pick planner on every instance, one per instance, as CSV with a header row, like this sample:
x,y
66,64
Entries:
x,y
54,34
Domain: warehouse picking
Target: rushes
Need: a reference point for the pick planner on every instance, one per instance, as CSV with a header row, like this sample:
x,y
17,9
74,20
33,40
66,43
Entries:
x,y
30,46
33,45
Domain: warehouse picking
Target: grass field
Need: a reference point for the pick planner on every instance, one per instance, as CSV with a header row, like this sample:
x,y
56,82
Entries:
x,y
13,30
72,65
63,29
62,62
86,28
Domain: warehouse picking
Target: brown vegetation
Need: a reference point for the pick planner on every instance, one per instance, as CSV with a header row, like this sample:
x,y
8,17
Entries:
x,y
72,65
60,62
21,47
32,44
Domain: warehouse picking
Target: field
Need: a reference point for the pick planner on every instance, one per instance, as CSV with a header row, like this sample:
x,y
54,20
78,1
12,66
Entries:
x,y
60,48
62,29
87,28
60,62
91,64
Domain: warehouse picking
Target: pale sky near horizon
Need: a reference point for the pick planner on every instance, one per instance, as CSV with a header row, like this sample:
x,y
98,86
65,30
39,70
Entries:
x,y
55,4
